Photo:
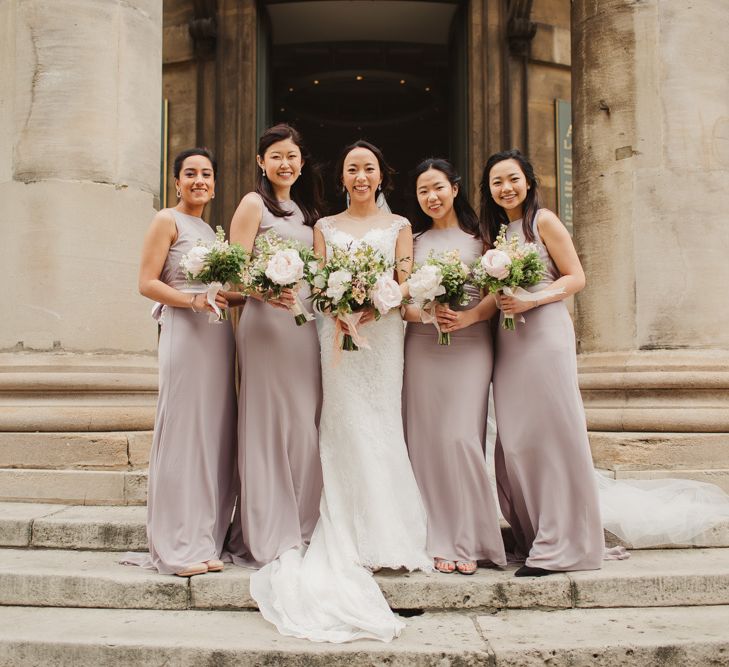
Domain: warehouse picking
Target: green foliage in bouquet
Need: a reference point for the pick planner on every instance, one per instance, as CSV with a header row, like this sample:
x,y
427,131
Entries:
x,y
254,276
523,268
222,263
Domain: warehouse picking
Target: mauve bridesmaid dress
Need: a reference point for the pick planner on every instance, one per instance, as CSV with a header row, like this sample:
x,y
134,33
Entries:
x,y
445,402
278,421
191,489
544,470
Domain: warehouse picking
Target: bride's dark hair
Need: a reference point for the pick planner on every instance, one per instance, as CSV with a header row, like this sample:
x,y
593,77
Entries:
x,y
466,216
306,191
388,173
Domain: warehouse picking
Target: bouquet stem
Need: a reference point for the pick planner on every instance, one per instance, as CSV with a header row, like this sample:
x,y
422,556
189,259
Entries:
x,y
508,323
444,338
300,317
348,344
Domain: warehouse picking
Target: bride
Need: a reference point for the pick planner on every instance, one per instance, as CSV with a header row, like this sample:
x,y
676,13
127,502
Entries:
x,y
372,515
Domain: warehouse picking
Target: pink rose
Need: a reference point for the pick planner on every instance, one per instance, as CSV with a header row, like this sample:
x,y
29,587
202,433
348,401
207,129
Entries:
x,y
496,263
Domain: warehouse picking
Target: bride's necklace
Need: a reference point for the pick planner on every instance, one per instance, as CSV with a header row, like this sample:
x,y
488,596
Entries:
x,y
361,218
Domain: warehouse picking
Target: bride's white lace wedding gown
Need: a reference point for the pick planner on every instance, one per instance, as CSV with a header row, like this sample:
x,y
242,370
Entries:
x,y
371,512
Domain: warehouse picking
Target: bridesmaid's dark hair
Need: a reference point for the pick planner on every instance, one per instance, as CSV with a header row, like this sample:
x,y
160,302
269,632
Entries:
x,y
306,191
493,215
181,157
467,218
388,173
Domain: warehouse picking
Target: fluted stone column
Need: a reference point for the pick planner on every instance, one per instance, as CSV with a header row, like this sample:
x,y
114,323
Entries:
x,y
651,150
80,89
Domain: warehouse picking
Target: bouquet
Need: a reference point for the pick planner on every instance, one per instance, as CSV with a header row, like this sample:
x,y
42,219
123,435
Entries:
x,y
217,265
440,279
350,281
278,264
509,267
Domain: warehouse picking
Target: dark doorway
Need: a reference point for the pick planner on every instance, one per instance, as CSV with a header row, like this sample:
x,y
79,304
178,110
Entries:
x,y
385,71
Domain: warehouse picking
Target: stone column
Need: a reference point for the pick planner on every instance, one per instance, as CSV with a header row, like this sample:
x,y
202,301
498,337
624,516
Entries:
x,y
80,89
651,149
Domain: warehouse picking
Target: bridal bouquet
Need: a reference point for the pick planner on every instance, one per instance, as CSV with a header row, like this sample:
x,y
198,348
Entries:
x,y
509,267
350,281
440,279
215,264
278,264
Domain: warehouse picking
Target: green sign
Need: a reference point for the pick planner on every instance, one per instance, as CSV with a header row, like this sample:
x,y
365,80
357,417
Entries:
x,y
563,154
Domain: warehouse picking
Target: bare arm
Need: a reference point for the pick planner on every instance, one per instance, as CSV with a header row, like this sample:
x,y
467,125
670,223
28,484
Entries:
x,y
559,244
320,245
404,259
160,236
243,230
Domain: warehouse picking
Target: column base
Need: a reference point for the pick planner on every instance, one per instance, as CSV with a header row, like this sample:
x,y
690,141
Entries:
x,y
658,413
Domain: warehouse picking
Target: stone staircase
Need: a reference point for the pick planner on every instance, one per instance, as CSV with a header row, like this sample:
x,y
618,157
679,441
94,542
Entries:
x,y
74,443
65,600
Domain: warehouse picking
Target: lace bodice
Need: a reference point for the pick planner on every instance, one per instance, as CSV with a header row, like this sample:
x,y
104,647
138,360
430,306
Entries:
x,y
382,239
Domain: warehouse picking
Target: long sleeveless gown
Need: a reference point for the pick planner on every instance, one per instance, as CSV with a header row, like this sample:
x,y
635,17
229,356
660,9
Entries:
x,y
278,421
445,394
547,487
191,488
371,513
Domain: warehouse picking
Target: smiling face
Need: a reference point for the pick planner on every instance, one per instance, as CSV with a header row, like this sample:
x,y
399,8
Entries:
x,y
361,174
196,182
508,187
282,163
435,194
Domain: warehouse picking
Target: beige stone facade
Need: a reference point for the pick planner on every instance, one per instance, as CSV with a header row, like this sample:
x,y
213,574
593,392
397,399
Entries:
x,y
81,90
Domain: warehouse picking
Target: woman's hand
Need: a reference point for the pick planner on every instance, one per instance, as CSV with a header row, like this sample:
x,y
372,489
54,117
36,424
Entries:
x,y
450,320
200,302
513,306
368,315
286,300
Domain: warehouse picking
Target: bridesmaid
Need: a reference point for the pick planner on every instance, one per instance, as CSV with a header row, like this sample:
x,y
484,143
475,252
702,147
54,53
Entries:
x,y
191,479
544,471
446,388
280,385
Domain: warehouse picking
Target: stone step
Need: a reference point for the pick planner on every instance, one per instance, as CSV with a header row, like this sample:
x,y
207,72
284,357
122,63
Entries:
x,y
122,528
58,578
74,487
84,451
603,637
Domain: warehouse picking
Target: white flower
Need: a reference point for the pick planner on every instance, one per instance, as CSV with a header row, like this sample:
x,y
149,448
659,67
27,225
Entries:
x,y
496,263
194,261
386,294
337,284
285,267
313,267
425,284
319,281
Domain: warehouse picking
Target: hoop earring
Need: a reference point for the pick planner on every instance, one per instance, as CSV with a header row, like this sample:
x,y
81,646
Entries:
x,y
179,194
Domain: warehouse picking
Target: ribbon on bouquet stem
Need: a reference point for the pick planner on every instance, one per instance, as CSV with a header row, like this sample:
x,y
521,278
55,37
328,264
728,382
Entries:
x,y
428,316
520,294
351,320
301,315
211,293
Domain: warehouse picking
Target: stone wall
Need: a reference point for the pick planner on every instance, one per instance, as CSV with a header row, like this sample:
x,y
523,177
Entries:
x,y
80,89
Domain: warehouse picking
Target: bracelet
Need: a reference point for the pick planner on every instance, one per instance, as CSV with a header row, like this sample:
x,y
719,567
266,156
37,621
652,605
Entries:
x,y
192,303
536,303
